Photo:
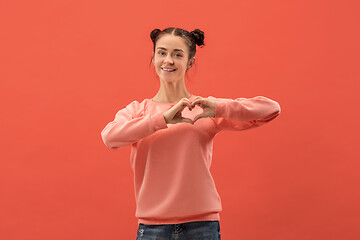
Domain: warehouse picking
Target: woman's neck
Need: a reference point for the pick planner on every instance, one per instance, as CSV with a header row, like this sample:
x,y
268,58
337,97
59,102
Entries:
x,y
171,93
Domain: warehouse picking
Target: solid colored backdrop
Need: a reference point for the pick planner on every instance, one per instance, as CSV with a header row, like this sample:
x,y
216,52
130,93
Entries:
x,y
67,67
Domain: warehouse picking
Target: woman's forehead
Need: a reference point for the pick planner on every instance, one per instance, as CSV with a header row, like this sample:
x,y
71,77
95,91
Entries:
x,y
171,42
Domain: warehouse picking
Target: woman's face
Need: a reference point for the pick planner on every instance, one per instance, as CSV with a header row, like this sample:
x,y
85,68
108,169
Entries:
x,y
171,58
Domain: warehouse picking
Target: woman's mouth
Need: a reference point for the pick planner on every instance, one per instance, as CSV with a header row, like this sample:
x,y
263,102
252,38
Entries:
x,y
168,69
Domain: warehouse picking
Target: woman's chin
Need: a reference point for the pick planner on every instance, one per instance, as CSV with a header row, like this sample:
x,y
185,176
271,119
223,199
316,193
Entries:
x,y
169,79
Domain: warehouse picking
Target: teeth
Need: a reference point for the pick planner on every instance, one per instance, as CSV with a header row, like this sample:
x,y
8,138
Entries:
x,y
168,69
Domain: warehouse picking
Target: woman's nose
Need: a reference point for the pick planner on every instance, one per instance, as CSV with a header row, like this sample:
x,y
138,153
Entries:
x,y
168,59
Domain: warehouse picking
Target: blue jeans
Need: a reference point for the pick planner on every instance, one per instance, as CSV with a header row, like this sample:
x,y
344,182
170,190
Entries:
x,y
199,230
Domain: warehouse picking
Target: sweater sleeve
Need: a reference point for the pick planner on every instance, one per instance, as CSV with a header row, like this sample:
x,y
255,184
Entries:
x,y
244,113
128,126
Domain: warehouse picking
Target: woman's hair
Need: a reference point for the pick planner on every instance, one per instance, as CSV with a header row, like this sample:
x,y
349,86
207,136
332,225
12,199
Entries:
x,y
192,38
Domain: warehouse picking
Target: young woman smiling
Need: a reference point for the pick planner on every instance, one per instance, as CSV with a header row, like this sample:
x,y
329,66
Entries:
x,y
171,137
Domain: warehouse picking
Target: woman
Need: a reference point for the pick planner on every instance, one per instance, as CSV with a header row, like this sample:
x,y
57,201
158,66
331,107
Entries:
x,y
172,138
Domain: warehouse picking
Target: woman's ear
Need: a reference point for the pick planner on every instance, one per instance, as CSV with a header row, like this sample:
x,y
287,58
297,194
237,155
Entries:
x,y
191,63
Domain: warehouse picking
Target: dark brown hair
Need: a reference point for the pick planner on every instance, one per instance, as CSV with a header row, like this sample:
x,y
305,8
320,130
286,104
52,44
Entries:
x,y
192,38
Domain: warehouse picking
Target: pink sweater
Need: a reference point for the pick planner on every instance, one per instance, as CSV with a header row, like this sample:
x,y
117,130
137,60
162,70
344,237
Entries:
x,y
171,162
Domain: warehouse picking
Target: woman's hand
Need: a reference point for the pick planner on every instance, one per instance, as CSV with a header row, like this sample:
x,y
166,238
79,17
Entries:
x,y
209,107
173,115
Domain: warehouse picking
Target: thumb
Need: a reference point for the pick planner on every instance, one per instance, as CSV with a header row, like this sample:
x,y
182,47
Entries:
x,y
199,116
187,120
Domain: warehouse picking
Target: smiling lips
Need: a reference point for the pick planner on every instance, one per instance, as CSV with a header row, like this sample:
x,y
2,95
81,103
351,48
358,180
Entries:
x,y
168,69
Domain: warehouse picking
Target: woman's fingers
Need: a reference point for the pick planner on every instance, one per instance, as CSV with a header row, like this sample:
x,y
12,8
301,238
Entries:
x,y
196,100
176,110
185,103
200,102
187,120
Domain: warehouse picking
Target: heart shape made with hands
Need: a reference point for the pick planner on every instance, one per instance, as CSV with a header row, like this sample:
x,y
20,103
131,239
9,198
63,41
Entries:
x,y
197,108
192,114
202,109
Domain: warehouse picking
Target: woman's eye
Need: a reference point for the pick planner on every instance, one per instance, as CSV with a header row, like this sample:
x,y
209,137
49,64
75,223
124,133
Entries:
x,y
162,53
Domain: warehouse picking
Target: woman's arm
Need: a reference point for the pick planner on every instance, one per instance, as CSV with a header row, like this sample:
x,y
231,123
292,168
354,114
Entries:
x,y
244,113
128,127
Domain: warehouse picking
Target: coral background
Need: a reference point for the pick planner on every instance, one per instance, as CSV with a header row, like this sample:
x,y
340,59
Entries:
x,y
67,67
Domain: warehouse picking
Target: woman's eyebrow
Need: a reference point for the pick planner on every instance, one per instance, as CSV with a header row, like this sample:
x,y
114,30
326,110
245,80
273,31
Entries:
x,y
174,49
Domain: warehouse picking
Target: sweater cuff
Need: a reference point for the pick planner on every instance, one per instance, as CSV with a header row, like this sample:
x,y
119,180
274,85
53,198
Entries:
x,y
158,121
220,109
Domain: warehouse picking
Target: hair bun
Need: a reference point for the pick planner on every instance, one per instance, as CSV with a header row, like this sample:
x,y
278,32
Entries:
x,y
154,34
198,36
